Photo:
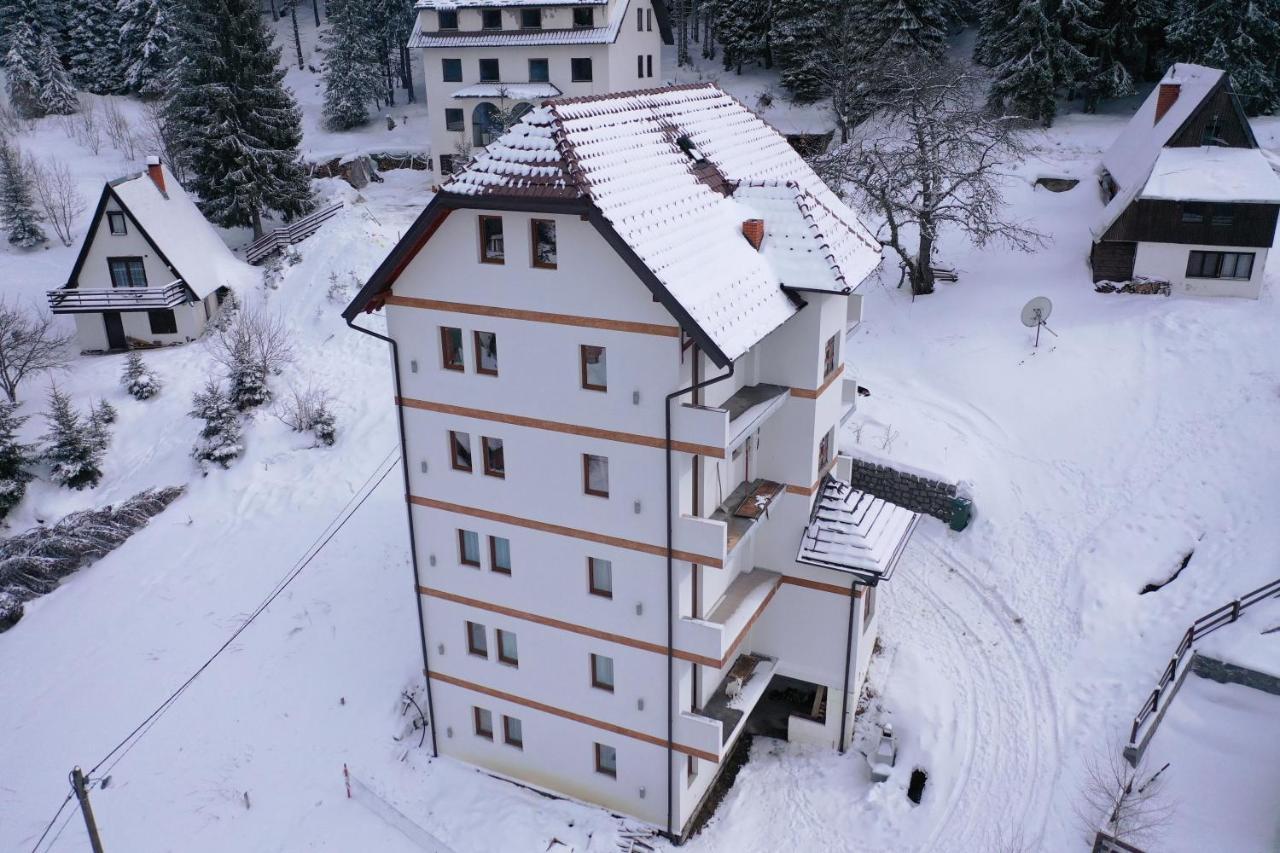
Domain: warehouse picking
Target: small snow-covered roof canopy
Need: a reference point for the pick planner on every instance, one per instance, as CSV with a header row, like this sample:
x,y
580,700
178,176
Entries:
x,y
1240,175
855,532
516,91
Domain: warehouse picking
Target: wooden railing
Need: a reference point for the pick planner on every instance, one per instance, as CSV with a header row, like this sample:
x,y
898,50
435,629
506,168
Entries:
x,y
79,300
294,232
1167,687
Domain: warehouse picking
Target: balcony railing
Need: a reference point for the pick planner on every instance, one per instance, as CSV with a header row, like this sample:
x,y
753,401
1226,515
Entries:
x,y
717,634
728,425
79,300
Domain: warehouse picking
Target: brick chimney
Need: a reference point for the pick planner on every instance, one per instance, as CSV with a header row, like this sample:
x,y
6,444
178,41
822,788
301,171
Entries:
x,y
1168,95
753,230
155,172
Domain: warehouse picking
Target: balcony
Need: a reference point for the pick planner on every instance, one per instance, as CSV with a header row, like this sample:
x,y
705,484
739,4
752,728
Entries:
x,y
739,693
746,509
715,636
79,300
728,425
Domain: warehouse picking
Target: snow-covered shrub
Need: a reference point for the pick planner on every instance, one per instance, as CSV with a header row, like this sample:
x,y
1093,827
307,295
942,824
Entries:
x,y
309,410
252,347
15,460
71,447
339,292
249,387
220,438
138,379
10,610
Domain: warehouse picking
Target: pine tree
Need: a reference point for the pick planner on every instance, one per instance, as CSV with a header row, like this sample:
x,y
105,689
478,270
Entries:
x,y
799,30
57,94
95,40
352,72
101,417
138,379
249,387
914,26
220,439
742,28
22,75
18,215
324,425
16,459
238,126
1035,60
147,35
1242,39
70,447
996,17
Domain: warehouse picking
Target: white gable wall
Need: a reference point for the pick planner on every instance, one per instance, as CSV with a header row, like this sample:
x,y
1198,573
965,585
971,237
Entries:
x,y
95,275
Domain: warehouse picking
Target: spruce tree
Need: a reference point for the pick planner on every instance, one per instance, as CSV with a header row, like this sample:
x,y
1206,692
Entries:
x,y
239,127
18,215
147,35
220,439
742,27
57,94
799,30
352,67
101,417
996,16
1035,60
95,40
22,73
70,447
16,459
249,387
914,27
1242,39
138,379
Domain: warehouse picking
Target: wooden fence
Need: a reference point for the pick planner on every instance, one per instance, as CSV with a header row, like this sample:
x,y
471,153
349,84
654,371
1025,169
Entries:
x,y
294,232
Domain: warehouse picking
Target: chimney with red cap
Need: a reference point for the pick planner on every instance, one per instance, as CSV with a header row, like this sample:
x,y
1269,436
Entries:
x,y
156,172
1165,99
753,230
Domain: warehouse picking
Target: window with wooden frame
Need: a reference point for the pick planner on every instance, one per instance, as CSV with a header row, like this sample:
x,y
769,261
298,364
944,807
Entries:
x,y
595,475
513,731
606,760
484,722
829,356
469,548
508,649
460,450
530,19
447,19
495,464
602,672
600,577
127,272
486,353
584,17
491,19
116,222
542,239
492,250
824,452
477,641
500,555
594,368
451,349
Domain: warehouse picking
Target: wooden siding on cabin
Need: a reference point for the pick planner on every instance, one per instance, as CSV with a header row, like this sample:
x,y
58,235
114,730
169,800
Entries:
x,y
1231,130
1113,260
1160,221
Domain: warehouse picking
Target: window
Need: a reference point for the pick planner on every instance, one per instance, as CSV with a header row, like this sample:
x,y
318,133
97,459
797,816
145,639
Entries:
x,y
580,70
486,124
639,65
484,722
1222,218
829,356
452,70
512,732
454,120
606,760
447,19
539,71
1192,215
602,672
491,245
594,369
543,240
115,222
648,65
127,272
639,20
500,555
469,548
531,19
451,347
487,353
460,450
491,450
595,475
1238,265
584,17
446,165
507,650
489,71
600,577
163,322
824,452
868,606
491,19
692,769
648,19
477,644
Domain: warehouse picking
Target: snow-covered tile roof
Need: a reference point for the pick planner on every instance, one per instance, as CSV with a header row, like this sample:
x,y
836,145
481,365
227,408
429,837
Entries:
x,y
517,91
1213,174
855,532
499,4
421,38
182,234
679,214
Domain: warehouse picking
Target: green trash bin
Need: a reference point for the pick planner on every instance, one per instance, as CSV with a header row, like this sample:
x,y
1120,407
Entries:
x,y
961,513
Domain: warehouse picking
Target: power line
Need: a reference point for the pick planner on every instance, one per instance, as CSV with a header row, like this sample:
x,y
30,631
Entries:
x,y
50,824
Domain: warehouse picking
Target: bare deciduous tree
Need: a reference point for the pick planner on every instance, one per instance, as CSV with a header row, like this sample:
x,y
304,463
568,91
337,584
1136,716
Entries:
x,y
29,344
119,129
1126,802
59,197
930,155
254,338
158,138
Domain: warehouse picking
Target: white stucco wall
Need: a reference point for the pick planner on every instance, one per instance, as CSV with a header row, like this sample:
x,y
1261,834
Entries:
x,y
1168,261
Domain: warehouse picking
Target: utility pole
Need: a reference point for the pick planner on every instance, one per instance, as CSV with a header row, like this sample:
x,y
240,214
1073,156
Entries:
x,y
82,794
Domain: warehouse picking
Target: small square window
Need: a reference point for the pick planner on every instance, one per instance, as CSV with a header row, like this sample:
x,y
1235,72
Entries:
x,y
484,722
584,17
544,243
513,731
454,120
829,356
595,475
508,652
116,222
460,450
1222,219
477,643
580,70
492,250
1192,215
163,322
451,348
495,464
486,353
500,555
491,19
447,19
602,672
600,577
539,71
451,69
606,760
824,453
469,548
489,71
531,19
595,374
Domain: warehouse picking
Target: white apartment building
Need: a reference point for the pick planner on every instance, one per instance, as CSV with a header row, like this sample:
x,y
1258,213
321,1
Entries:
x,y
487,61
618,340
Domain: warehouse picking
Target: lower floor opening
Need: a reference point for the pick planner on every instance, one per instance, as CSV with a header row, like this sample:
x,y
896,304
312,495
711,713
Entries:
x,y
787,706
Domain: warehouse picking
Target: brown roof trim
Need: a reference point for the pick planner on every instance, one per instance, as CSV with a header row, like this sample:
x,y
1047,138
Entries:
x,y
632,93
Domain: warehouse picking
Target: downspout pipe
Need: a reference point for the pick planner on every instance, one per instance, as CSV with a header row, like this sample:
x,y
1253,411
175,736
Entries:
x,y
848,653
408,507
671,714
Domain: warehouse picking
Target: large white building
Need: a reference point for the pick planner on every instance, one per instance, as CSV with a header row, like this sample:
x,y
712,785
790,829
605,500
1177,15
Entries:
x,y
619,352
486,61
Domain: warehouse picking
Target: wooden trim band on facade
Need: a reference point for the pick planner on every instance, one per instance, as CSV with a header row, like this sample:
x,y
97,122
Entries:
x,y
817,484
573,532
536,316
834,589
570,715
817,392
558,426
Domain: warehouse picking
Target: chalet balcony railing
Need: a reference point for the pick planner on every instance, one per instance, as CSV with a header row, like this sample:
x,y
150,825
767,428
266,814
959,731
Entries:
x,y
80,300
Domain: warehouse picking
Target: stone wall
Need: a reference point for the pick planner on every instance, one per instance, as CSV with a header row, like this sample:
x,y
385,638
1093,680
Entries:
x,y
915,492
1228,673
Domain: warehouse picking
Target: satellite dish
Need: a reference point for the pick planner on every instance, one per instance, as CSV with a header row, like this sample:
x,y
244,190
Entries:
x,y
1036,312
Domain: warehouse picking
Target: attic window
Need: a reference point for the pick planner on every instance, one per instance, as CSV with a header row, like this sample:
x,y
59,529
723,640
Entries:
x,y
115,222
690,150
